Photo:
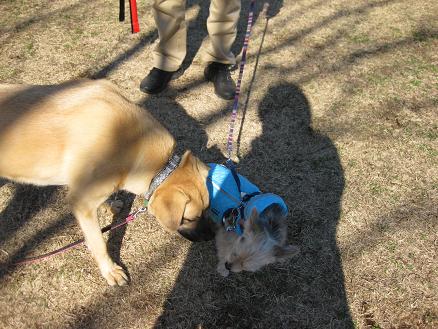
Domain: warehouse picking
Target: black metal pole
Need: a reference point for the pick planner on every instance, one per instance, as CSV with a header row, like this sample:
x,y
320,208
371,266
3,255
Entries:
x,y
121,10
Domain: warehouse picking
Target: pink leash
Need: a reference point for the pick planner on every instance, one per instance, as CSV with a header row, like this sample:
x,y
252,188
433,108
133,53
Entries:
x,y
36,259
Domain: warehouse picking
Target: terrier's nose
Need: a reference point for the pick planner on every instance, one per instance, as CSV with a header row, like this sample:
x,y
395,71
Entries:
x,y
228,266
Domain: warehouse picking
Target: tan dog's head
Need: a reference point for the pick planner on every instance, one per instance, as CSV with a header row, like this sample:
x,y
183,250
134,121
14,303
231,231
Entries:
x,y
263,242
179,202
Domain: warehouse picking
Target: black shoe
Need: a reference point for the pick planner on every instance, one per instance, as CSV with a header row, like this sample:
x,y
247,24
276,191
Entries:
x,y
219,74
156,81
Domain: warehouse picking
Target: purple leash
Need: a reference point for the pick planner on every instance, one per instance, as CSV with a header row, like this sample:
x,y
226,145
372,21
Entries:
x,y
229,163
239,82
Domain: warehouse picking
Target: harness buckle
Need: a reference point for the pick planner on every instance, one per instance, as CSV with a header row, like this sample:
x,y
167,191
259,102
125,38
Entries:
x,y
232,218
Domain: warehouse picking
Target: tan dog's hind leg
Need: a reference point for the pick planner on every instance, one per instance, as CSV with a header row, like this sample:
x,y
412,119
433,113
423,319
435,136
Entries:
x,y
85,210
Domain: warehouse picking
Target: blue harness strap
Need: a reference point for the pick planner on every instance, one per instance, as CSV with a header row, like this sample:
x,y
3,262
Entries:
x,y
233,197
232,167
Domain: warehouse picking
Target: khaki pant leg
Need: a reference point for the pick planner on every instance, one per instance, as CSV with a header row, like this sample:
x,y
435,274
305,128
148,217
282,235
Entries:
x,y
222,30
172,31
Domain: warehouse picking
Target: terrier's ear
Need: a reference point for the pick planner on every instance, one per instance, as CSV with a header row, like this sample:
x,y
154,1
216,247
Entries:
x,y
273,220
285,252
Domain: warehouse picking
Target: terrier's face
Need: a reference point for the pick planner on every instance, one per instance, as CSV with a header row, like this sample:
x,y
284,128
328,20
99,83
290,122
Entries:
x,y
262,243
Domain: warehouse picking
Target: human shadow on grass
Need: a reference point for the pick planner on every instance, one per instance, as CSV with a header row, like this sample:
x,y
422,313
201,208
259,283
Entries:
x,y
289,159
302,166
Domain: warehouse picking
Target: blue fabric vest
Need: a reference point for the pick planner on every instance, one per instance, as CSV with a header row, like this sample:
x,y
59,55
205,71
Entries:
x,y
224,195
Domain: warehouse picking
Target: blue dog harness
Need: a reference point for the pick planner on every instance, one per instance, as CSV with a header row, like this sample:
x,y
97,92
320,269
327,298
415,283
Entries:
x,y
233,198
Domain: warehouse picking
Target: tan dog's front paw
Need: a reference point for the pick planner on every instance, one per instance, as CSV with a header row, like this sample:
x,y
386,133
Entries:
x,y
222,270
115,275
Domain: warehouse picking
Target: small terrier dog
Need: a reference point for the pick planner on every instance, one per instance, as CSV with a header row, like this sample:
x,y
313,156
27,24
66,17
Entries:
x,y
251,226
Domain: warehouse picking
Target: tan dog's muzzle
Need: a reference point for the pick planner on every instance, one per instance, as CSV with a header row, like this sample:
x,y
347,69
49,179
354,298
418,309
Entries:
x,y
201,229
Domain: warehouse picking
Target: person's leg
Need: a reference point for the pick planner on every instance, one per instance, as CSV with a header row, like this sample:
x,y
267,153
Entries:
x,y
172,32
222,30
171,49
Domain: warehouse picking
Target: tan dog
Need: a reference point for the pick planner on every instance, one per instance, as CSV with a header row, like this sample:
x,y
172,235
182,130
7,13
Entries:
x,y
86,135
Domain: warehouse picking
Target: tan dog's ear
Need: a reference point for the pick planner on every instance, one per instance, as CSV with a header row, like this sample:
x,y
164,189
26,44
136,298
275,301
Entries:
x,y
203,169
168,207
197,165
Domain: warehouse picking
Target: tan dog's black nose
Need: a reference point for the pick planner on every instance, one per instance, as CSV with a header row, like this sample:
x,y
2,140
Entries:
x,y
228,266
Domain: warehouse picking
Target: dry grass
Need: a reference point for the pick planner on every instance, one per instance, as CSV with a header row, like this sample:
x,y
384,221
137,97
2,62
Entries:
x,y
341,121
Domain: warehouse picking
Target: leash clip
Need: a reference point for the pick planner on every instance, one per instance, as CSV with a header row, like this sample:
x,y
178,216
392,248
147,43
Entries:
x,y
232,220
136,213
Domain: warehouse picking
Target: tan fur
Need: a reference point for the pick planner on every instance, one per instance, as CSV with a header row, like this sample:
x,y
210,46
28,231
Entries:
x,y
86,135
261,243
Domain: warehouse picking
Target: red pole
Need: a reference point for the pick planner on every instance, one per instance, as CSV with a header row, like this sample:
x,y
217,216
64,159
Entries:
x,y
134,17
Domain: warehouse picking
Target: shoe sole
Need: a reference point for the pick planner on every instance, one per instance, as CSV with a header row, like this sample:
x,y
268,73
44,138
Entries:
x,y
154,92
